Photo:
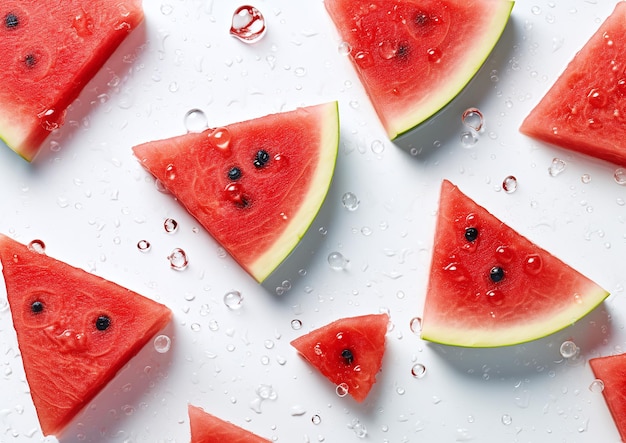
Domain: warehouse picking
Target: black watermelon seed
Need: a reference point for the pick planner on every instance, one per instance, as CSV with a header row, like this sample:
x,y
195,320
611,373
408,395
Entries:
x,y
11,21
471,234
496,274
30,60
421,19
403,50
261,158
36,307
234,173
347,356
102,323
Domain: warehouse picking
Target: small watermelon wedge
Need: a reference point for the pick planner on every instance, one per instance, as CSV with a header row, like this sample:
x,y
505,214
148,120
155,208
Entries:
x,y
207,428
75,330
255,186
348,352
585,109
51,50
611,370
414,56
490,286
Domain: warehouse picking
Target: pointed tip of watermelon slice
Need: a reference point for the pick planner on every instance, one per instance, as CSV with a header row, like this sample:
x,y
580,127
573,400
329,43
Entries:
x,y
207,428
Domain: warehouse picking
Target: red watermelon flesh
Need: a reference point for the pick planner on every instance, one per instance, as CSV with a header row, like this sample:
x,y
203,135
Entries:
x,y
75,330
414,56
51,49
490,286
612,371
347,351
585,110
257,185
207,428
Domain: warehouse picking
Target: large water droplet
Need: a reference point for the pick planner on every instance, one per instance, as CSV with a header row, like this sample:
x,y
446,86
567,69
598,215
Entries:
x,y
51,119
195,120
416,325
350,201
509,184
387,49
337,261
220,137
504,254
468,139
473,119
170,172
620,176
296,324
342,389
418,370
143,245
556,167
234,192
506,419
37,246
316,419
455,272
434,55
569,349
248,24
344,48
162,343
178,259
596,386
233,300
533,264
170,225
596,98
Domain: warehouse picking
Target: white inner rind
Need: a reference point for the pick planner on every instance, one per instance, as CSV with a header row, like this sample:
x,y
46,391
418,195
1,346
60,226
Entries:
x,y
311,202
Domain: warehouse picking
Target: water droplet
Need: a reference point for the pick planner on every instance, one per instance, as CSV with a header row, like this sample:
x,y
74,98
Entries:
x,y
418,370
359,428
506,419
504,254
509,184
620,176
162,343
51,120
596,386
178,259
248,24
473,119
533,264
569,349
337,261
377,147
342,389
37,246
170,225
233,300
434,55
536,10
195,120
221,138
468,139
387,49
596,98
556,167
350,201
170,172
585,178
296,324
234,192
316,419
344,48
416,325
143,245
83,24
455,272
266,392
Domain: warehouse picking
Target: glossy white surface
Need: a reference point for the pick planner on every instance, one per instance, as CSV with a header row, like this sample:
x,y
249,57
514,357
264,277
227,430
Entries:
x,y
91,202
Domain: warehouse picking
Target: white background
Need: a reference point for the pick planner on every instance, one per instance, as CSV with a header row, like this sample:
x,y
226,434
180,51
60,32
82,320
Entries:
x,y
90,201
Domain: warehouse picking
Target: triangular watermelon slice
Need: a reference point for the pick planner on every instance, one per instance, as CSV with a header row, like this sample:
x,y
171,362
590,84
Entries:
x,y
51,49
414,56
257,185
207,428
585,110
348,352
611,370
490,286
75,330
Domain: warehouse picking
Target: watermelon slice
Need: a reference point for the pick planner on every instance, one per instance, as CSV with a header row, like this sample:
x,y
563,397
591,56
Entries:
x,y
414,56
256,186
75,330
348,352
206,428
585,110
612,371
490,286
51,50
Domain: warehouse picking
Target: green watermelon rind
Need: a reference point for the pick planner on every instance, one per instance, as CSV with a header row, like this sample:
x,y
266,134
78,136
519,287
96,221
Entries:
x,y
474,61
590,295
312,202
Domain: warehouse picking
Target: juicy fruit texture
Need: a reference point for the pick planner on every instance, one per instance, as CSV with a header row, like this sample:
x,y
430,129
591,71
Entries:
x,y
257,185
612,371
414,56
75,330
585,110
348,351
490,286
51,50
206,428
